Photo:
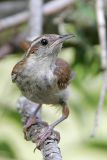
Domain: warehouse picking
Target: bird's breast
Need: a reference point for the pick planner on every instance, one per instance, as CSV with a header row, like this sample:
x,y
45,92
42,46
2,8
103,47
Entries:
x,y
38,86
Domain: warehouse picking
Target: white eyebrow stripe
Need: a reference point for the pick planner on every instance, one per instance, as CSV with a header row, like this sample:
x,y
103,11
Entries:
x,y
33,43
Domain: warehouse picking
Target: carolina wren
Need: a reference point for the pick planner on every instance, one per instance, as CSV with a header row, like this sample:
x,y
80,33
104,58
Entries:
x,y
42,77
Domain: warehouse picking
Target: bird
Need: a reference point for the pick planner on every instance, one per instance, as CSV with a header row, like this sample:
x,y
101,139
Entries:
x,y
44,78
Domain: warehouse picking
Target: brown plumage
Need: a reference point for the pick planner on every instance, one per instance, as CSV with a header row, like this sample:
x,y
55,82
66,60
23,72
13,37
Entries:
x,y
32,50
63,73
17,69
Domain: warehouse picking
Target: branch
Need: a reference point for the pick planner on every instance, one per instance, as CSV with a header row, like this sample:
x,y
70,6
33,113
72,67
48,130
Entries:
x,y
56,6
49,148
36,18
102,37
12,7
49,8
13,20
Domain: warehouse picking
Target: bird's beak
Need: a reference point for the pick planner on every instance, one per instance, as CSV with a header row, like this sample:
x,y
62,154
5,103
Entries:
x,y
63,38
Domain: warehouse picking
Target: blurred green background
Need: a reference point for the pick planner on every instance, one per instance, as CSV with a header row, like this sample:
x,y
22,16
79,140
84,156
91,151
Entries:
x,y
83,55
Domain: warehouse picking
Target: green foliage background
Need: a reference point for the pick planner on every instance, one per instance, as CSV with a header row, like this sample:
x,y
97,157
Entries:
x,y
83,55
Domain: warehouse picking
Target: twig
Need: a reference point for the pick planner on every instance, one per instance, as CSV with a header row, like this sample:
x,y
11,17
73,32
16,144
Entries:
x,y
49,8
12,7
56,6
102,37
35,20
49,148
13,20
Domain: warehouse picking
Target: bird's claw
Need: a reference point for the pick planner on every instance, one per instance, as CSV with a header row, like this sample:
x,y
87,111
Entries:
x,y
43,136
45,133
31,121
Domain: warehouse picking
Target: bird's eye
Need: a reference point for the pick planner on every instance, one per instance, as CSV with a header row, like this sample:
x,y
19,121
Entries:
x,y
44,42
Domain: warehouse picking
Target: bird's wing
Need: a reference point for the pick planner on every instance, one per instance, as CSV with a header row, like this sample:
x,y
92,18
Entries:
x,y
16,70
63,73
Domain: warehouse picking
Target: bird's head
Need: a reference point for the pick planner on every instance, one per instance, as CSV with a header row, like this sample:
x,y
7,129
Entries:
x,y
45,46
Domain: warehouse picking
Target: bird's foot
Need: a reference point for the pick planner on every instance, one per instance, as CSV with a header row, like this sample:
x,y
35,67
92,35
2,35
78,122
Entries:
x,y
31,121
45,133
